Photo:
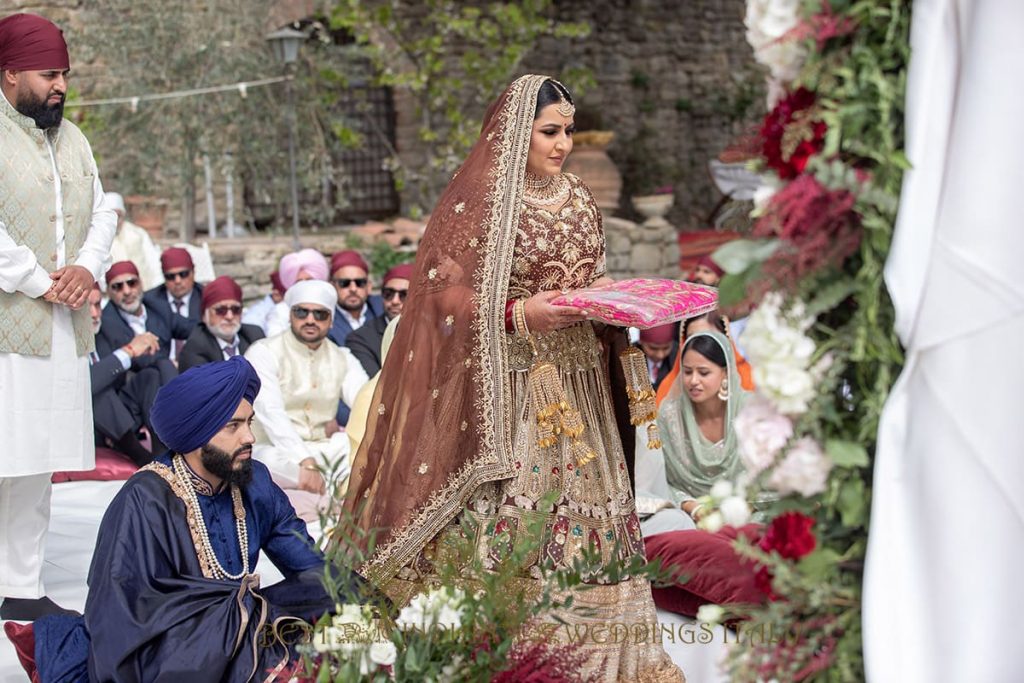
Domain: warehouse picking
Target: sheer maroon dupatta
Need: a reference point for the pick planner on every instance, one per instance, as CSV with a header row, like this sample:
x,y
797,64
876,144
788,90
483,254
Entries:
x,y
440,422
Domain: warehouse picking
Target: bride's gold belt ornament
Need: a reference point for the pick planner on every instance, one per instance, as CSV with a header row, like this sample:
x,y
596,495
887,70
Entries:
x,y
642,406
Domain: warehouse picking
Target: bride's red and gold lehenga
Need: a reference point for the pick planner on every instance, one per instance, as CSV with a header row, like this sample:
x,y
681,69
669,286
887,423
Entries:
x,y
453,426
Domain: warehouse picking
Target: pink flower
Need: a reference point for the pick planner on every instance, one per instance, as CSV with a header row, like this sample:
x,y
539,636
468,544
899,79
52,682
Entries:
x,y
804,470
762,432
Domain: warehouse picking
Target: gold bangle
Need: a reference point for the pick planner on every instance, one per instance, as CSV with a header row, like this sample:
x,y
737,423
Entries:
x,y
519,318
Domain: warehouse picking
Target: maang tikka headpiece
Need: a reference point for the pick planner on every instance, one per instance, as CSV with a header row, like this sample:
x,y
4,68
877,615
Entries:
x,y
565,107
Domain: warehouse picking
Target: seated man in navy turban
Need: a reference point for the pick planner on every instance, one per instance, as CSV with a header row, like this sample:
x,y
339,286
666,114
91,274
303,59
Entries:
x,y
172,593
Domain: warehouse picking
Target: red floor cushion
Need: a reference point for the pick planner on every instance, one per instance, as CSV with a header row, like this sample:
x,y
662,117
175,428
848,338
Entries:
x,y
110,466
708,569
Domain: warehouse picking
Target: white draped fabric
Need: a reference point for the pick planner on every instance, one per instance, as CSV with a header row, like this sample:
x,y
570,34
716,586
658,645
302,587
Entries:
x,y
942,590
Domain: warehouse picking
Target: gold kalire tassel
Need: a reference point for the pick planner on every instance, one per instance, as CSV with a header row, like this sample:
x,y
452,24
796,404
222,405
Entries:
x,y
642,406
554,414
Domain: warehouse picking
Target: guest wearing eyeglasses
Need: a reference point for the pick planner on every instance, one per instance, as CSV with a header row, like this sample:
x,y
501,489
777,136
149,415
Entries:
x,y
129,365
356,307
221,334
127,315
179,295
365,342
304,377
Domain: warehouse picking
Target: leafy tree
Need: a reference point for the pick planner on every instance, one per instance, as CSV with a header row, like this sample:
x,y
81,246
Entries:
x,y
453,58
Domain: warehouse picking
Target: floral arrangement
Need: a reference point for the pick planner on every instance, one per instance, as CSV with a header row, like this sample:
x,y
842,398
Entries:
x,y
478,622
820,339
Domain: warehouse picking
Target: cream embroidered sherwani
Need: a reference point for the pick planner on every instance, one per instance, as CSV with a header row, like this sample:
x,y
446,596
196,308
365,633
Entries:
x,y
298,397
51,214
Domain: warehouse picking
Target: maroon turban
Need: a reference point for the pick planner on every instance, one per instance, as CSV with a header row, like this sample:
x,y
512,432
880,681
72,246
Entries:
x,y
220,289
708,262
403,271
348,258
662,334
275,282
31,43
175,257
122,268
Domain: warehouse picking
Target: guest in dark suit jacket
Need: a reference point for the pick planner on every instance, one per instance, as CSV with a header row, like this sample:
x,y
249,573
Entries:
x,y
660,345
221,334
178,295
365,342
126,316
121,398
356,307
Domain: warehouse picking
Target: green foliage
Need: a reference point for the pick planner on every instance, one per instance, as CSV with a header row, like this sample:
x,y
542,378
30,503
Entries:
x,y
502,605
859,81
152,48
452,59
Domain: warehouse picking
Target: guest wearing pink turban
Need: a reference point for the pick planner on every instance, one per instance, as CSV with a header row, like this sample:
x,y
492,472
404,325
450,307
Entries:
x,y
307,264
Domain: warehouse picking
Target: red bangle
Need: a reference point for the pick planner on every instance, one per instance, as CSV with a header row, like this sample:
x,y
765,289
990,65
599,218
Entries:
x,y
509,324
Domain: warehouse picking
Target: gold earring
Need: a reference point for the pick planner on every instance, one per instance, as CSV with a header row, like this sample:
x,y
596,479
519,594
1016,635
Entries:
x,y
723,391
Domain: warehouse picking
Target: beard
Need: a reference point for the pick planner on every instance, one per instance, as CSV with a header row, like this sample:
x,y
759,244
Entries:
x,y
220,463
225,332
45,115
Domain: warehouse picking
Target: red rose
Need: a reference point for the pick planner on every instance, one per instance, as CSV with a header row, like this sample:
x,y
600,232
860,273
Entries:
x,y
790,136
790,535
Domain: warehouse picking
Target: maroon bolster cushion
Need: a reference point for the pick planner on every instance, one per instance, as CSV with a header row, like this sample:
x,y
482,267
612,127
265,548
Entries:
x,y
707,569
110,466
22,637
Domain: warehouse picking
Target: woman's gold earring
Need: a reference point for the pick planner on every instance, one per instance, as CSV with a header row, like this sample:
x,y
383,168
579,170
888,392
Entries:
x,y
723,391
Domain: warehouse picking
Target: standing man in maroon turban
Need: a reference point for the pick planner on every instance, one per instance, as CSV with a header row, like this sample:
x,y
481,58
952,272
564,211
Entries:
x,y
221,334
178,295
55,236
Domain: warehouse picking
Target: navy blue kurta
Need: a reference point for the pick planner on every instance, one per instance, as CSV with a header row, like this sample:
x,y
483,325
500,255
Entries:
x,y
151,614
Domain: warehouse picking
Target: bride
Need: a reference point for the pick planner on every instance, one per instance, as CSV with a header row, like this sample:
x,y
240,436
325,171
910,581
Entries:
x,y
484,368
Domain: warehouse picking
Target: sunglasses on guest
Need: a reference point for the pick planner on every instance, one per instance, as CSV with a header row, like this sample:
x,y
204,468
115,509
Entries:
x,y
130,283
179,275
344,282
233,309
319,314
389,293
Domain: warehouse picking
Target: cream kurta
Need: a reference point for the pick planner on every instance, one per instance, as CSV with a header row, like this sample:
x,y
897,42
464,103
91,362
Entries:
x,y
298,397
45,401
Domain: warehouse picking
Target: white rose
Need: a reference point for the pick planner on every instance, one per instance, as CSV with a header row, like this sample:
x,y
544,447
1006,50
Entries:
x,y
350,614
762,432
721,489
327,640
712,522
804,470
710,614
735,511
411,616
449,617
383,654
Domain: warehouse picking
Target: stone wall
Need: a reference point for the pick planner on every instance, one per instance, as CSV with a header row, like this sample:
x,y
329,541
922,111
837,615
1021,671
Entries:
x,y
675,80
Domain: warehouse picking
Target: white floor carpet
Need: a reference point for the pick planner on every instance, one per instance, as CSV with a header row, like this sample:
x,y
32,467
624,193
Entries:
x,y
78,508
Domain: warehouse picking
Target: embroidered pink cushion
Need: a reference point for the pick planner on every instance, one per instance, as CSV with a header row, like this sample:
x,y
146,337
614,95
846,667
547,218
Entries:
x,y
643,303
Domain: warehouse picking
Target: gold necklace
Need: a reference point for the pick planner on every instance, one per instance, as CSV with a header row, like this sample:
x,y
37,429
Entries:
x,y
546,190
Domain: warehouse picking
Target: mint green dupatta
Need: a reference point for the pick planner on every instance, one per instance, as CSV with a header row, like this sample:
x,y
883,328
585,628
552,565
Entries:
x,y
692,463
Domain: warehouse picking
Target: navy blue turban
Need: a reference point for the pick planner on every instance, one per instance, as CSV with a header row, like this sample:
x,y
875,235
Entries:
x,y
191,408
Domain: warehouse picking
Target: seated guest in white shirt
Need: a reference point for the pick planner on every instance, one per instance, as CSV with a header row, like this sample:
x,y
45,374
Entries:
x,y
126,316
122,400
303,377
221,335
259,313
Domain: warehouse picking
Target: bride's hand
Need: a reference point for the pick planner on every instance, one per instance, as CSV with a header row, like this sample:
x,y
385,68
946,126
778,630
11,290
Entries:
x,y
542,316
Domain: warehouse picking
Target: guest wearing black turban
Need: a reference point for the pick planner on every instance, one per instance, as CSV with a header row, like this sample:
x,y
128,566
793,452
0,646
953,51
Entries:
x,y
172,594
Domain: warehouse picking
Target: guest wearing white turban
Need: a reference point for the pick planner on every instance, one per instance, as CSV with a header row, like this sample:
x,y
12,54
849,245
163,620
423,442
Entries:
x,y
298,266
304,376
